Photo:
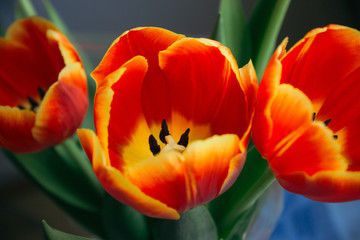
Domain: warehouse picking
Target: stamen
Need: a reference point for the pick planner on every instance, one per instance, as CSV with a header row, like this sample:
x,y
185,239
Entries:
x,y
313,117
164,131
184,139
326,122
33,103
335,137
21,107
41,92
154,146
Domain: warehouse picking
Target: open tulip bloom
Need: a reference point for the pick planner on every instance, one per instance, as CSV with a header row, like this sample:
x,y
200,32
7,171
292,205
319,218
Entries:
x,y
43,90
173,118
308,114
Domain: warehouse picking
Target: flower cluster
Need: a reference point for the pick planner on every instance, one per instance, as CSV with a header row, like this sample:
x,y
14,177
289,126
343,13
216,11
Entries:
x,y
173,115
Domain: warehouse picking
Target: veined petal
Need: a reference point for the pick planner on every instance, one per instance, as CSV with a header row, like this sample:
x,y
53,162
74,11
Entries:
x,y
14,123
313,151
290,115
63,108
190,90
321,61
117,185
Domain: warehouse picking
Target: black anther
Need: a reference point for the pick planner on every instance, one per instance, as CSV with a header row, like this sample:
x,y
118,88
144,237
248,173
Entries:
x,y
313,117
184,139
326,122
164,131
335,137
41,92
154,146
21,107
33,103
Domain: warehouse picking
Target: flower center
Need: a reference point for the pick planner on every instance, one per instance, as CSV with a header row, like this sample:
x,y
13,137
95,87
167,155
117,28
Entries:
x,y
166,138
33,103
326,122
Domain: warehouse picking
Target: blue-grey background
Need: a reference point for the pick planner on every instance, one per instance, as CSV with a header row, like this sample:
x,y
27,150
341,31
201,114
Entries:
x,y
95,24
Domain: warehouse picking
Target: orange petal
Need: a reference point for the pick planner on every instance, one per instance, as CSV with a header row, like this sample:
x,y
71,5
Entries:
x,y
63,108
290,115
345,94
325,186
315,150
117,185
212,166
162,177
118,108
29,60
349,139
207,88
326,57
15,130
263,128
145,42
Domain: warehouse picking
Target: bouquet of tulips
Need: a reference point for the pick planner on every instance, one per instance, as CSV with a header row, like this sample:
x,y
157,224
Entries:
x,y
180,137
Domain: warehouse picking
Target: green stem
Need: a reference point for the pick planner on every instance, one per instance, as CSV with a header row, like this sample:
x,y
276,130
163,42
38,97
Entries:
x,y
24,9
76,159
250,197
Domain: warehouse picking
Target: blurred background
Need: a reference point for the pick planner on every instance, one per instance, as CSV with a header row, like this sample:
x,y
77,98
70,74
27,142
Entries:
x,y
94,24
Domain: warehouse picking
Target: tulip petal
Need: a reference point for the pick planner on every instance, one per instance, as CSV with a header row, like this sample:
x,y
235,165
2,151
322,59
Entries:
x,y
37,57
162,177
117,185
63,107
290,115
14,123
315,150
145,42
327,55
263,131
349,138
118,113
212,172
325,186
203,62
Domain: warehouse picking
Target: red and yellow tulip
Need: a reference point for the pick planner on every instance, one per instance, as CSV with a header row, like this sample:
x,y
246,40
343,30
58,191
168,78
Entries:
x,y
173,117
43,90
307,120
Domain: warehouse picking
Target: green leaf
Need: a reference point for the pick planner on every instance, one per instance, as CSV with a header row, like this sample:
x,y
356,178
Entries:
x,y
193,224
65,186
24,9
264,26
123,222
253,180
53,234
238,229
231,30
